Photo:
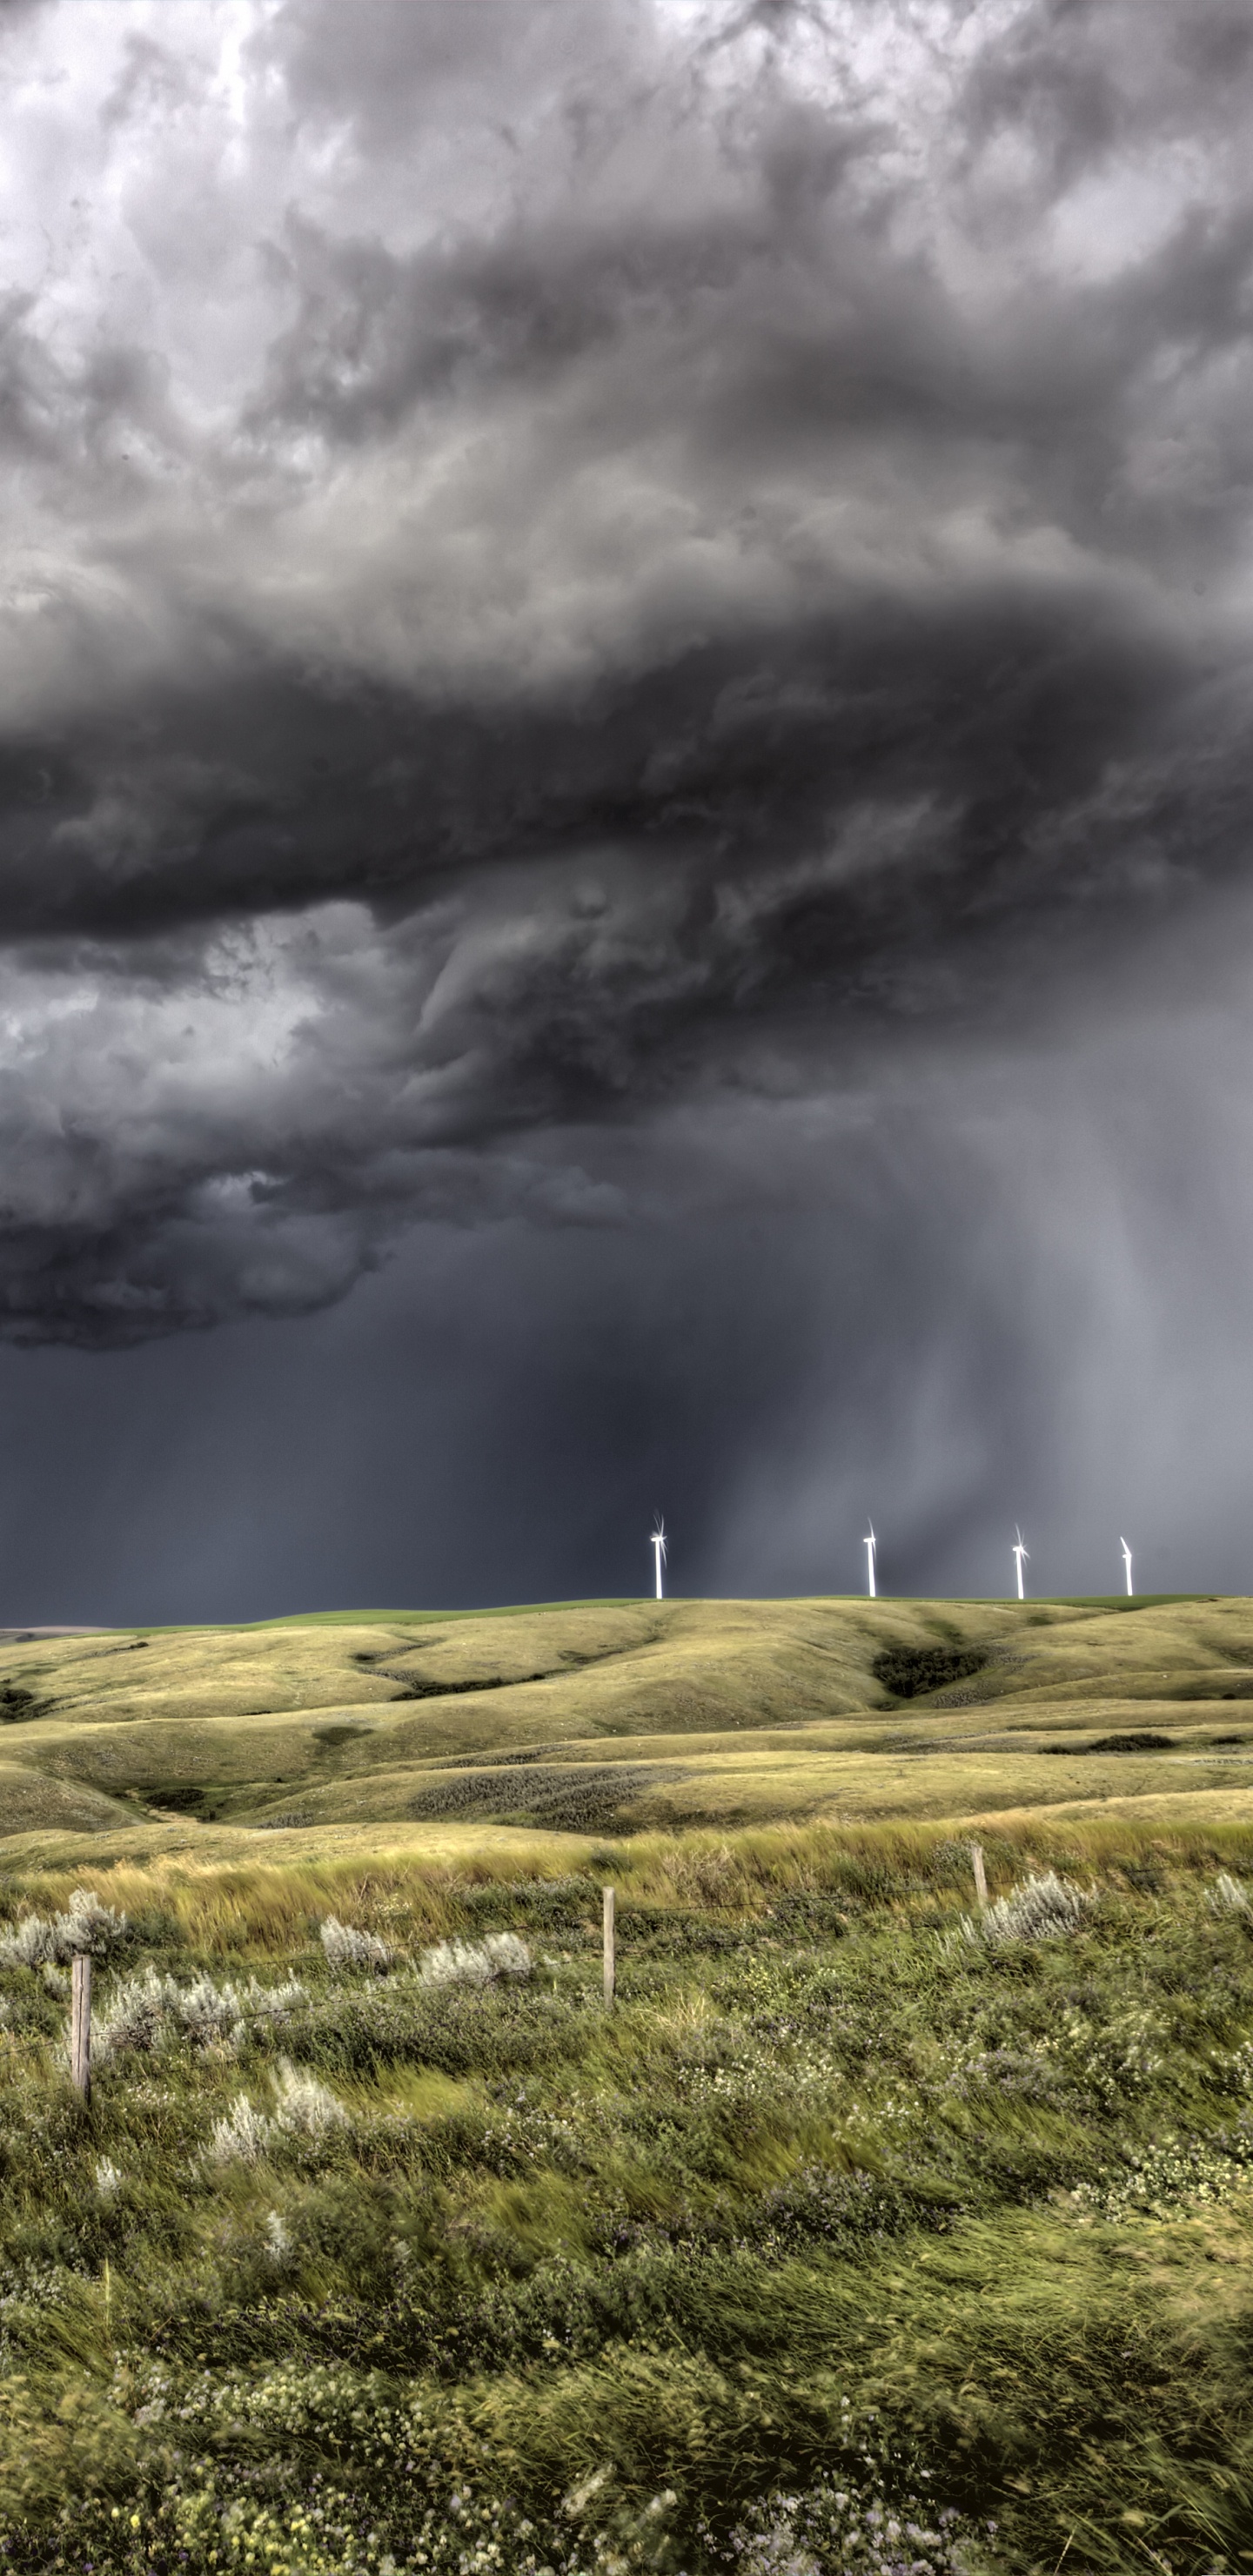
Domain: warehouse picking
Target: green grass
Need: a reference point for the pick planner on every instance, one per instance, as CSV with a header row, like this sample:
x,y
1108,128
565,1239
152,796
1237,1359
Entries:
x,y
841,2201
841,2198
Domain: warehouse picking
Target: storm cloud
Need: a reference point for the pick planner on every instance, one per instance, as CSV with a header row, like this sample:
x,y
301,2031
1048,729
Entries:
x,y
570,566
624,678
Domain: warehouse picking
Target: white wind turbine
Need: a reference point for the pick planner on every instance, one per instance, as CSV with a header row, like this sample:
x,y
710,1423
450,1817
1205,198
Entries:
x,y
1020,1555
869,1543
1126,1558
658,1546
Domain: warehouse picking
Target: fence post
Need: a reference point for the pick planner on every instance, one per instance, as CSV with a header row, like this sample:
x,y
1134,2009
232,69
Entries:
x,y
981,1879
610,1946
80,2023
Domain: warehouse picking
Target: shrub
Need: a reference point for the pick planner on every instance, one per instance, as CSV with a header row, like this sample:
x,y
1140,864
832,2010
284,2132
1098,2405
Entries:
x,y
1037,1911
305,2104
29,1946
1139,1739
306,2108
206,2011
476,1963
273,2003
908,1671
345,1947
148,2004
241,2135
89,1926
1226,1896
134,2016
86,1926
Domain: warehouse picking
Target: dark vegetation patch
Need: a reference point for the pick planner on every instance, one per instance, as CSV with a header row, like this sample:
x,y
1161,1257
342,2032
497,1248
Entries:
x,y
561,1908
329,1738
575,1797
809,1914
494,2031
667,1932
1196,1686
17,1705
96,1654
909,1671
1136,1740
525,1753
413,1686
570,1660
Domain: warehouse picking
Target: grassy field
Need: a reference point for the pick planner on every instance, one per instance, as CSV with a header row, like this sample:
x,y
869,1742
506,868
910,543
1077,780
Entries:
x,y
619,1717
866,2232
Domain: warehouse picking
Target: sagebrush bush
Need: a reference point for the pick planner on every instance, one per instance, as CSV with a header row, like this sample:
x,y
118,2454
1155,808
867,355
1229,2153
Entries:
x,y
1227,1896
475,1963
241,2135
29,1946
86,1927
1040,1910
140,2012
345,1947
304,2108
133,2017
304,2103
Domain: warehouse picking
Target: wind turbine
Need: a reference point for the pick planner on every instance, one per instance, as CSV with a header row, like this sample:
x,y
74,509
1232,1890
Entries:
x,y
1126,1558
869,1544
1020,1554
658,1546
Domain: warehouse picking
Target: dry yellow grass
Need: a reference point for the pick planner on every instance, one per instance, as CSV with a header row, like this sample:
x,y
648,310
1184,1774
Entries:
x,y
508,1731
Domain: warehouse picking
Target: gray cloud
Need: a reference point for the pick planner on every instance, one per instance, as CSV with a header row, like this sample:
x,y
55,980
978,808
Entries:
x,y
571,566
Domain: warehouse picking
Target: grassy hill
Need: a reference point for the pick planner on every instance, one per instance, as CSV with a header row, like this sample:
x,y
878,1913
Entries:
x,y
611,1718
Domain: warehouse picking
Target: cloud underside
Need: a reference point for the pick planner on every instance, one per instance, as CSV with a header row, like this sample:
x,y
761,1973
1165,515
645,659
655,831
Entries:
x,y
571,569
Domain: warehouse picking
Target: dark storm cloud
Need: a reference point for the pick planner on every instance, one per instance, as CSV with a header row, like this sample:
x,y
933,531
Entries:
x,y
566,564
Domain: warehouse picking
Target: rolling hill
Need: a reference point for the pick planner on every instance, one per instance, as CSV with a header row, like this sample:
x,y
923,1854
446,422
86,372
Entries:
x,y
605,1718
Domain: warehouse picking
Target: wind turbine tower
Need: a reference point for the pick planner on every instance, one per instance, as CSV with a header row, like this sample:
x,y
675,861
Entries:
x,y
658,1546
1020,1558
1126,1558
869,1545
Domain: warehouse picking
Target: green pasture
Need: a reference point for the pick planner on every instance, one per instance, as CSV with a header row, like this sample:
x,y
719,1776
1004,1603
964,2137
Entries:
x,y
855,2239
845,2210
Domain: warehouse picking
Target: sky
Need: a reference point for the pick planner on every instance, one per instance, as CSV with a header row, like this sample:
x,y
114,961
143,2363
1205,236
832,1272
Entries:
x,y
625,788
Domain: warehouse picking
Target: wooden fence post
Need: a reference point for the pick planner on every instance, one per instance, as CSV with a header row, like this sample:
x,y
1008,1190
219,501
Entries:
x,y
80,2023
610,1946
981,1878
